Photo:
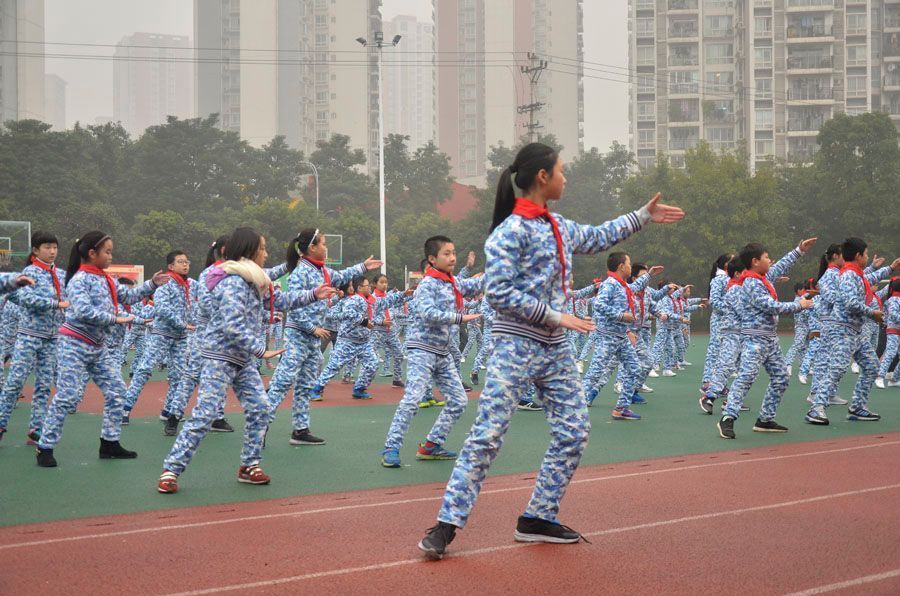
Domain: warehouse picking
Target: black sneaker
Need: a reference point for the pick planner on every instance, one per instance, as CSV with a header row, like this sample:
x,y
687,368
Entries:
x,y
474,377
530,529
125,420
467,388
706,404
768,426
726,427
398,383
528,406
114,450
45,458
435,542
221,426
304,437
171,428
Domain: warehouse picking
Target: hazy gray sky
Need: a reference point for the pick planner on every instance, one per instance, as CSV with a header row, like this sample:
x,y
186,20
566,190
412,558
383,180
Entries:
x,y
89,93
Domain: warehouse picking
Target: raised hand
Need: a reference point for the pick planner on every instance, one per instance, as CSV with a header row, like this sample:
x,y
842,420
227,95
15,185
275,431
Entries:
x,y
372,263
24,280
124,320
575,324
656,270
877,261
660,213
878,316
63,304
161,278
470,317
272,353
807,244
323,292
805,304
470,259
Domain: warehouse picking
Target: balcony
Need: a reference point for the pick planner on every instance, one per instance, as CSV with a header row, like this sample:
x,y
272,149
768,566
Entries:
x,y
802,153
798,32
892,82
892,22
645,5
679,116
645,31
682,4
683,31
680,60
683,144
762,3
810,94
856,30
799,5
684,88
809,63
805,124
646,144
719,32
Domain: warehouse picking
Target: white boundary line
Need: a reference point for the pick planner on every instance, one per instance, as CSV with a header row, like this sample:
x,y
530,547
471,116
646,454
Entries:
x,y
493,549
866,579
204,524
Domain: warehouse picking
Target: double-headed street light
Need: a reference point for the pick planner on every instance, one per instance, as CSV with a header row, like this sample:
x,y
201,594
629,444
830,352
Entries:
x,y
380,43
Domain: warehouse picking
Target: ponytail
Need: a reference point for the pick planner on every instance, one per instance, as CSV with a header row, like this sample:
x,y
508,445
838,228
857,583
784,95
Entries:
x,y
81,249
299,246
519,177
825,259
721,263
216,250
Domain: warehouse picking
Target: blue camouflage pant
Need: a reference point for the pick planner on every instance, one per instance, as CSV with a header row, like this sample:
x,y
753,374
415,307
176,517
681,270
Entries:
x,y
726,363
177,399
346,352
807,363
609,348
423,371
712,349
159,349
848,345
678,337
77,361
215,378
663,352
799,347
487,347
515,363
30,353
453,346
298,368
759,352
891,348
589,344
822,358
473,340
870,332
384,339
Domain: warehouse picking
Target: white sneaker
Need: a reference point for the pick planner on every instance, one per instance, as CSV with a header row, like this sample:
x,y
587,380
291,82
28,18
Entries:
x,y
646,389
618,387
668,373
802,378
686,363
734,375
579,366
879,382
894,384
855,368
837,401
790,370
809,399
653,374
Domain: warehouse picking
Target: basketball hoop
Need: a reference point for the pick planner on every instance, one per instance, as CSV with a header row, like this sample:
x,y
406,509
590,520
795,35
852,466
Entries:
x,y
5,259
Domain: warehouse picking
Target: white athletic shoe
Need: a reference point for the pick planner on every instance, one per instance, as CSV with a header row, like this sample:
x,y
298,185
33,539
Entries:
x,y
646,389
579,366
894,384
879,382
790,370
686,363
802,378
837,401
855,368
653,374
668,373
809,399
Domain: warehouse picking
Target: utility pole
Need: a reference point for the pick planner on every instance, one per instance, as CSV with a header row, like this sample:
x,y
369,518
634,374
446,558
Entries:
x,y
533,70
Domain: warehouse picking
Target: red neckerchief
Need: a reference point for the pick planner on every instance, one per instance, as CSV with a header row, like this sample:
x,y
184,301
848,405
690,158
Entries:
x,y
529,210
747,273
217,263
320,265
734,281
432,272
128,310
184,283
628,292
387,313
51,269
830,266
110,282
866,285
370,300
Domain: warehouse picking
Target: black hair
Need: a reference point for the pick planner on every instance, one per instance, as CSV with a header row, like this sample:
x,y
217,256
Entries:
x,y
660,285
734,267
721,263
895,284
40,238
345,287
170,258
127,281
637,268
243,243
825,259
432,247
754,250
531,159
216,250
299,246
799,287
378,276
615,259
82,248
852,247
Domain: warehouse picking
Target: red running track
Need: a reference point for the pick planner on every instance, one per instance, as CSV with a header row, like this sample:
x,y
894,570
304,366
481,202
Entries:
x,y
797,517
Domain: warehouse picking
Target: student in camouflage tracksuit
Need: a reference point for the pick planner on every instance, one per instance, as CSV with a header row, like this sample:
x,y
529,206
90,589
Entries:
x,y
301,363
528,264
42,306
801,330
8,326
718,281
853,304
760,347
473,330
440,308
168,342
668,324
487,340
892,322
383,338
241,294
82,350
730,309
134,332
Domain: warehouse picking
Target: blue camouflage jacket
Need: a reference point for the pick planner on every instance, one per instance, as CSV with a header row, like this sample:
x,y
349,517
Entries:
x,y
850,308
759,311
92,315
307,276
40,314
355,316
173,310
611,304
436,314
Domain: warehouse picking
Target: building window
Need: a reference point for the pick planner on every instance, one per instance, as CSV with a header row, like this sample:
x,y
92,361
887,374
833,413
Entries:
x,y
763,89
719,53
765,147
763,119
646,56
856,86
856,55
684,81
763,26
762,57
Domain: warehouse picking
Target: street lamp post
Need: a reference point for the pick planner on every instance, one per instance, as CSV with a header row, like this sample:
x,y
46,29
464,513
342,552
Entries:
x,y
380,43
316,174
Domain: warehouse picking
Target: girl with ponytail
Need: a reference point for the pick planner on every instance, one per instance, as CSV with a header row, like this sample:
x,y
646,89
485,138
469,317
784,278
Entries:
x,y
96,306
528,269
718,279
304,329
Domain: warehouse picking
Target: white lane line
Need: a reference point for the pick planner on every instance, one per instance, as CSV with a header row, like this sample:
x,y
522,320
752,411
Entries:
x,y
493,549
850,583
267,516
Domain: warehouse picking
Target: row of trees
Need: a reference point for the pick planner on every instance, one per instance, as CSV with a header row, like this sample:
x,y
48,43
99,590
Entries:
x,y
184,182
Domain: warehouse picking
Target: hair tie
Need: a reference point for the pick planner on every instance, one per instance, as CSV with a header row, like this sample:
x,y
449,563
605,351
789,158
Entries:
x,y
213,245
311,240
101,241
516,189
